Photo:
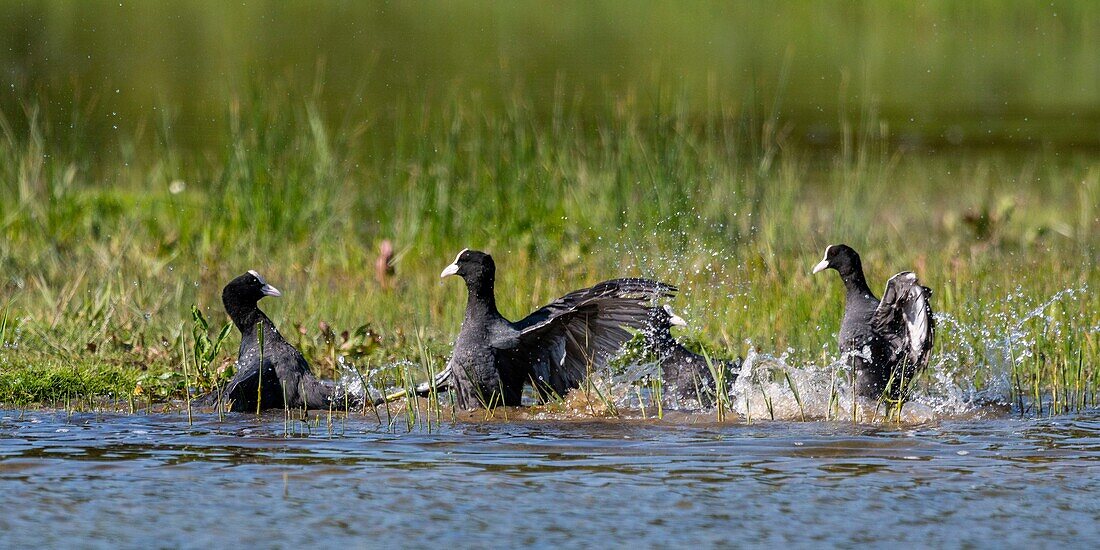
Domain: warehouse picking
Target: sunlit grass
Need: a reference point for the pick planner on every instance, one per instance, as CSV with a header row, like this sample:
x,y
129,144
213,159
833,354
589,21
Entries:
x,y
102,258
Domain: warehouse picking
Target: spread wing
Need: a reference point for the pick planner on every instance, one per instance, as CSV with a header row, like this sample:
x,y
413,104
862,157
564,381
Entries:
x,y
562,342
904,320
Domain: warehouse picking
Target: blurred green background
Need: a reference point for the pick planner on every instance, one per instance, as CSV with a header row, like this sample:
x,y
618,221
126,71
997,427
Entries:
x,y
939,74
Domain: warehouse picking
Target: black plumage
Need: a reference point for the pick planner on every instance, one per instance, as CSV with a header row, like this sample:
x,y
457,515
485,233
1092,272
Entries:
x,y
685,374
889,341
554,348
286,379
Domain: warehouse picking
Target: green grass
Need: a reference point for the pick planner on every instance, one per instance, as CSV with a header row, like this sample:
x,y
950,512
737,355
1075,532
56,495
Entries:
x,y
103,256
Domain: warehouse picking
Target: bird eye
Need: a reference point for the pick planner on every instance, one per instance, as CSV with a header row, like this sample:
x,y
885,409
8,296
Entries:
x,y
259,278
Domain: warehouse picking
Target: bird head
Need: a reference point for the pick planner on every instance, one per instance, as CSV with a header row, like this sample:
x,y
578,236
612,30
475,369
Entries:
x,y
248,288
664,317
475,267
840,257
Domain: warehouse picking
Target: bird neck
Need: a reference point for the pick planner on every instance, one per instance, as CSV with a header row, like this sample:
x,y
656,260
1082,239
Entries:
x,y
481,302
854,280
246,316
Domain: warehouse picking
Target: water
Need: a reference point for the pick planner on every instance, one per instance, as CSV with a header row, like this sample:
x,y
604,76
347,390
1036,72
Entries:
x,y
962,469
153,480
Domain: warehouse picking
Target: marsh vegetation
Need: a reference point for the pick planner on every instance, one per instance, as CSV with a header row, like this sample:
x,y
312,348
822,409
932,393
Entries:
x,y
133,189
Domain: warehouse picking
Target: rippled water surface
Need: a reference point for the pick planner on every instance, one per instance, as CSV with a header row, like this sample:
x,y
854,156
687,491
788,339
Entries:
x,y
141,480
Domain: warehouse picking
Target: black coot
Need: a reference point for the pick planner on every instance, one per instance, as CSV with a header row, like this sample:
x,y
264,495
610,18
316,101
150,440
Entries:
x,y
888,341
553,348
285,379
685,374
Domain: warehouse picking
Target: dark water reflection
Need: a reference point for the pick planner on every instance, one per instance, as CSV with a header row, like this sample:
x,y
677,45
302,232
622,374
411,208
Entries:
x,y
107,480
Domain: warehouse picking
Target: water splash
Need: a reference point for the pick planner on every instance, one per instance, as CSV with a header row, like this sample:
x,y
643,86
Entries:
x,y
976,368
977,350
366,386
972,375
352,383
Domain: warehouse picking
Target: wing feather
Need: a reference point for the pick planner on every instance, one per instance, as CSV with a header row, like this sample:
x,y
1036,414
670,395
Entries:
x,y
581,331
921,324
904,320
